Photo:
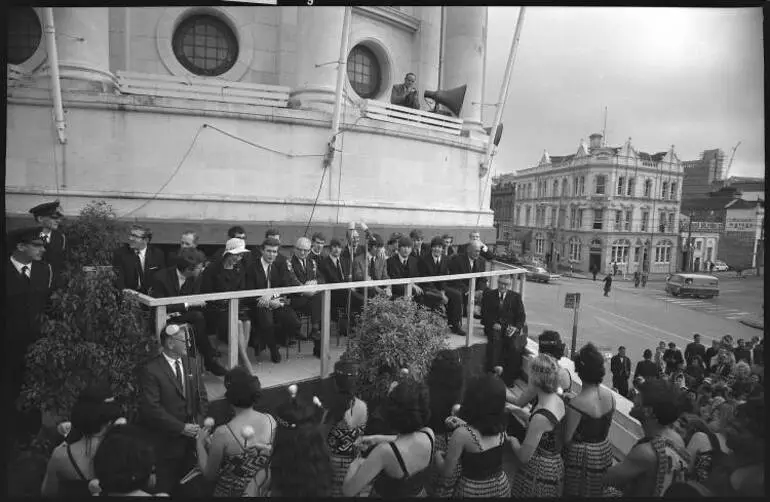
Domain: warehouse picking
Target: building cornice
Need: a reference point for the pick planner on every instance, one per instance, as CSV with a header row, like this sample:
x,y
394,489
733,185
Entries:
x,y
390,15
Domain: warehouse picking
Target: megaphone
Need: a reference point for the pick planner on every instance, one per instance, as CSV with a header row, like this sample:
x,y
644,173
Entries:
x,y
498,133
452,99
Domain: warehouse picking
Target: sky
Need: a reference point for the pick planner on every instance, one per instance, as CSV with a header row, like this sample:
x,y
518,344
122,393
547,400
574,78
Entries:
x,y
688,77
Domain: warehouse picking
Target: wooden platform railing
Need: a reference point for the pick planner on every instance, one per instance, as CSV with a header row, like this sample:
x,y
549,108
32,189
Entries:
x,y
396,114
233,297
204,89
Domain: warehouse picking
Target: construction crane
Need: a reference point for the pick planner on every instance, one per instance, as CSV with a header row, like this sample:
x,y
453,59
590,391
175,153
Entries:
x,y
729,164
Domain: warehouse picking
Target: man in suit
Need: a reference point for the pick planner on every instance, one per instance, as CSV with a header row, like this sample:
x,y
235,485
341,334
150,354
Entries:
x,y
466,264
449,250
620,367
28,283
475,236
353,246
370,266
172,405
335,269
392,245
437,293
48,215
406,94
317,243
182,279
188,240
273,233
403,265
420,248
695,348
137,262
274,312
305,273
503,318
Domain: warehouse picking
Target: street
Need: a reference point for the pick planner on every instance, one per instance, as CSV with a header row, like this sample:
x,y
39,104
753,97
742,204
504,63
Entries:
x,y
640,318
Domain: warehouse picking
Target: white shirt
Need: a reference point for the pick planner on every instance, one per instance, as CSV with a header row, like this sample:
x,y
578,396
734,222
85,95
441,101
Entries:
x,y
265,266
19,265
45,234
182,279
142,254
172,363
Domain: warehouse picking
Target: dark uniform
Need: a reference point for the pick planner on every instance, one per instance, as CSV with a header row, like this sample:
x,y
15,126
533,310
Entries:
x,y
55,242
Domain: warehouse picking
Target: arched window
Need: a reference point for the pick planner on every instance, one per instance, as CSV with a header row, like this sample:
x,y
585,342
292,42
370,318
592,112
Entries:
x,y
663,251
648,188
555,188
205,45
364,72
575,249
620,249
24,34
539,244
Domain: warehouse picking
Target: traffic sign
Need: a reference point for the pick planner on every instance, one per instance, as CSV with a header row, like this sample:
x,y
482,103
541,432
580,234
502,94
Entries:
x,y
572,301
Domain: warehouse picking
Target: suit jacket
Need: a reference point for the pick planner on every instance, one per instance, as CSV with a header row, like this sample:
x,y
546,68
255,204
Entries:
x,y
423,251
329,271
302,274
360,266
127,268
620,366
317,257
164,407
25,303
280,276
55,249
460,264
427,267
487,255
510,313
359,250
398,271
166,284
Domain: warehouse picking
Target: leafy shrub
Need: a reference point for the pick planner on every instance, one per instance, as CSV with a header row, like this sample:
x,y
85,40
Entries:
x,y
394,335
91,331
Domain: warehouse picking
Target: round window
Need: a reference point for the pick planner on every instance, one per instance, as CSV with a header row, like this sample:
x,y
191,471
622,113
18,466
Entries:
x,y
364,72
24,34
205,45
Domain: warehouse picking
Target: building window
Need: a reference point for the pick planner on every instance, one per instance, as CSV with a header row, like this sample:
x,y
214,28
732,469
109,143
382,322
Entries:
x,y
528,213
556,188
620,250
664,190
24,34
582,181
630,187
574,249
601,182
662,222
627,220
565,186
560,218
621,185
205,45
598,216
698,245
618,220
709,252
539,244
364,72
579,218
645,221
663,252
672,194
671,217
648,188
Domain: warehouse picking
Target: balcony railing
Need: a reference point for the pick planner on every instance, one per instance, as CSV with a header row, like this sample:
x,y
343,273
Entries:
x,y
233,297
381,110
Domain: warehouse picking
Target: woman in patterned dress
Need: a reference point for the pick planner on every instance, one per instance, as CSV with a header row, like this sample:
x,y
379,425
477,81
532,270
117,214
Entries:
x,y
477,445
347,416
588,454
706,443
445,384
238,459
541,469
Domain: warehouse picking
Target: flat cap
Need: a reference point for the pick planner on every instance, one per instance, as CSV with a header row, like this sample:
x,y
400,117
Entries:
x,y
47,209
27,235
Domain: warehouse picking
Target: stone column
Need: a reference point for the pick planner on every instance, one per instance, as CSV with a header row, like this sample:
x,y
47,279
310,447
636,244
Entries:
x,y
464,59
83,46
319,36
428,49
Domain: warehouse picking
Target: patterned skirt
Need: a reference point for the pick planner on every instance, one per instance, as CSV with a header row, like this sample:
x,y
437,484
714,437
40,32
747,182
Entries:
x,y
585,465
443,486
496,486
543,476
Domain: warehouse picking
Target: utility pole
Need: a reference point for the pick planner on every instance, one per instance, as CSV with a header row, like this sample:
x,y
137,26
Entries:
x,y
688,268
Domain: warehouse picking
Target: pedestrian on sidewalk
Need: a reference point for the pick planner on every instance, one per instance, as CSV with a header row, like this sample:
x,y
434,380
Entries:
x,y
620,366
594,270
607,284
637,278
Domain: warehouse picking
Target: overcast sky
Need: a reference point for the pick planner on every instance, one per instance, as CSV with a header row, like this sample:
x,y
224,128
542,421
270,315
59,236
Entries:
x,y
691,77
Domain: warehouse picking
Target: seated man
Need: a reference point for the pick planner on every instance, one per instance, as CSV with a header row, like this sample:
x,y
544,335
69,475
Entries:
x,y
420,247
137,262
466,264
305,272
188,239
406,94
449,249
317,243
373,267
403,265
180,280
336,268
503,317
437,293
392,244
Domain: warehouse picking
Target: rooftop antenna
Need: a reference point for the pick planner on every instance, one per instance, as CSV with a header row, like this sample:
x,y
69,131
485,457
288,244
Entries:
x,y
604,129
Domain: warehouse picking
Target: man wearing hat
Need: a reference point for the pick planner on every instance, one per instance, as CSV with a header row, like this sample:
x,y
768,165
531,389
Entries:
x,y
137,262
48,215
27,290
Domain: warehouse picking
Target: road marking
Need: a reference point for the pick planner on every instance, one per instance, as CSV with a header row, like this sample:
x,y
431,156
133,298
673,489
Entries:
x,y
645,326
628,329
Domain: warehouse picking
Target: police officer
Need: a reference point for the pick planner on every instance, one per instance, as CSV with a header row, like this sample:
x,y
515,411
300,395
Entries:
x,y
48,216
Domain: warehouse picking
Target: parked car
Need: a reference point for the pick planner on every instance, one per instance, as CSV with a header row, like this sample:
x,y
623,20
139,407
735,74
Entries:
x,y
720,266
539,274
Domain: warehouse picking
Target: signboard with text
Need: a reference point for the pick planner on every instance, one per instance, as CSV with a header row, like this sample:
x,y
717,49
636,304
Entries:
x,y
572,301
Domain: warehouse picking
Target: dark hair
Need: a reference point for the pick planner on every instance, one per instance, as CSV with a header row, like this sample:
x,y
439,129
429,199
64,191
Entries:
x,y
437,241
412,74
318,236
405,241
300,465
621,348
124,461
589,364
407,407
647,354
271,232
146,232
344,395
484,405
233,231
189,258
416,235
375,240
243,389
94,409
394,237
335,242
272,242
447,236
671,345
664,399
549,342
445,386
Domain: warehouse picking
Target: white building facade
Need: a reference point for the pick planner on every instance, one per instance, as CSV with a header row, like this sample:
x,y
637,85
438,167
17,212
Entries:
x,y
203,117
602,206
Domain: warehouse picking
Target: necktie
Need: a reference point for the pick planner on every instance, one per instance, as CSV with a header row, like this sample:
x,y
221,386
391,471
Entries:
x,y
371,268
302,265
438,264
339,270
186,288
25,273
269,270
139,268
473,263
502,299
179,380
